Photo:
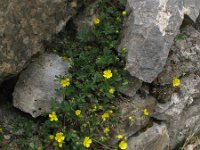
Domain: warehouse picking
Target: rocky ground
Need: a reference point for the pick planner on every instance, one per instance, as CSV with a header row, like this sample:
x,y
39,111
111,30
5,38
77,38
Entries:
x,y
163,43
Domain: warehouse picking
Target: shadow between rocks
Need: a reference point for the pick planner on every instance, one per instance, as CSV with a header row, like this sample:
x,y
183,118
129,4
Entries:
x,y
8,112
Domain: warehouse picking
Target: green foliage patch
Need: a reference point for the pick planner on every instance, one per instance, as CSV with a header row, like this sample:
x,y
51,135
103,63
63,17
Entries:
x,y
89,114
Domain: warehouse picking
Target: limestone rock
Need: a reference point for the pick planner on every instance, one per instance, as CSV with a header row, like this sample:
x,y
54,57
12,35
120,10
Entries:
x,y
184,58
149,31
132,87
182,113
36,85
154,138
23,27
134,108
191,8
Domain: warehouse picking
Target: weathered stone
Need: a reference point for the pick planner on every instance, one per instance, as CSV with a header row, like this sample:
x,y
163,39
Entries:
x,y
133,85
182,113
154,138
133,118
191,8
184,57
36,85
189,90
192,143
149,32
23,27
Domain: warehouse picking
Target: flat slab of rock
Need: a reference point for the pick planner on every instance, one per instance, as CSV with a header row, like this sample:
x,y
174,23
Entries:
x,y
149,32
36,85
154,138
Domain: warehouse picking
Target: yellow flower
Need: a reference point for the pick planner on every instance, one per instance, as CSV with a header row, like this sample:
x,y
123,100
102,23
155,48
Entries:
x,y
51,137
105,116
96,21
107,74
130,118
87,142
111,90
59,137
1,130
176,82
123,145
110,111
145,112
78,112
53,116
106,130
124,13
119,136
60,144
65,82
39,148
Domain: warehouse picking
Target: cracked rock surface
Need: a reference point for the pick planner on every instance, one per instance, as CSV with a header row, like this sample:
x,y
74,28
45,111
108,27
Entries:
x,y
149,30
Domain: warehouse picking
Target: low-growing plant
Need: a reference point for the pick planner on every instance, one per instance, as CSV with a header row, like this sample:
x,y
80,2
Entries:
x,y
89,114
180,37
1,133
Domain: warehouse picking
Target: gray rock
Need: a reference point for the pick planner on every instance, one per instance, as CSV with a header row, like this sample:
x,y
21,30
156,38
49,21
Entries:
x,y
23,27
184,58
132,87
134,108
189,90
182,113
149,32
154,138
192,8
36,85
